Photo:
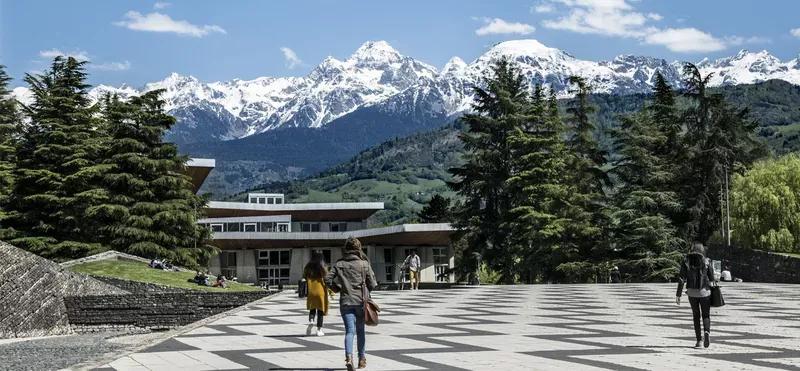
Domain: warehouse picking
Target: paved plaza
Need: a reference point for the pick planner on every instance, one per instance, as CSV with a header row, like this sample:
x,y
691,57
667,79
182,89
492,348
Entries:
x,y
542,327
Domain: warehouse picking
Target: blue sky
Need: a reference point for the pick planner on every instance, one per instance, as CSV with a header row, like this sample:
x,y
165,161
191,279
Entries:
x,y
140,41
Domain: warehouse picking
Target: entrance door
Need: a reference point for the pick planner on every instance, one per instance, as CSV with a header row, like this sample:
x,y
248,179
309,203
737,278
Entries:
x,y
274,266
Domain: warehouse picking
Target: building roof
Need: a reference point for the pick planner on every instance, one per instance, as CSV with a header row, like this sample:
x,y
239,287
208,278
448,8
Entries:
x,y
339,211
430,234
198,169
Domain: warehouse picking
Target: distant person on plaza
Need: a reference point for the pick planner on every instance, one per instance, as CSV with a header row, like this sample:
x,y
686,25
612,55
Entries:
x,y
348,276
616,277
413,263
697,275
317,298
726,274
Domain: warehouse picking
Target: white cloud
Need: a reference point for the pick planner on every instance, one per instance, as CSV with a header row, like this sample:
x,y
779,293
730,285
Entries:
x,y
52,53
157,22
739,40
111,66
795,32
603,17
685,40
655,16
292,60
161,5
543,8
497,26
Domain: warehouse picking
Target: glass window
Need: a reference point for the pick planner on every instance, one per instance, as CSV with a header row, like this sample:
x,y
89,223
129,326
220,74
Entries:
x,y
249,227
233,227
285,257
283,227
338,227
388,256
270,201
216,228
253,200
309,227
262,200
440,255
279,200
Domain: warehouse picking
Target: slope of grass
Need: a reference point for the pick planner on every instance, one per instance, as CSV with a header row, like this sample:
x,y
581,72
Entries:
x,y
137,271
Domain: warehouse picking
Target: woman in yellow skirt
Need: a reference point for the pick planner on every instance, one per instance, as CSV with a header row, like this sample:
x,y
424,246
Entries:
x,y
317,300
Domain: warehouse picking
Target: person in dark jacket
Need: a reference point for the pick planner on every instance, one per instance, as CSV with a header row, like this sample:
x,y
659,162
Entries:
x,y
697,275
347,276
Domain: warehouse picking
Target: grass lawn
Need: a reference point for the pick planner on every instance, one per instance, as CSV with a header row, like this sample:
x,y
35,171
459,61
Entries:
x,y
138,271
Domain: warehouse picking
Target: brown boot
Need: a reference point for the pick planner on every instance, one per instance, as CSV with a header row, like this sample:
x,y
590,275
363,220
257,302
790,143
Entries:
x,y
362,362
348,361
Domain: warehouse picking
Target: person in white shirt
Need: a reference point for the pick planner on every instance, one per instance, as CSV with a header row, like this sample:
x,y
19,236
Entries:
x,y
413,263
726,275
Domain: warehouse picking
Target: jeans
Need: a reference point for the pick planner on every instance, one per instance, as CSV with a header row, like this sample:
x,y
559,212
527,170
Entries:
x,y
353,317
318,314
701,305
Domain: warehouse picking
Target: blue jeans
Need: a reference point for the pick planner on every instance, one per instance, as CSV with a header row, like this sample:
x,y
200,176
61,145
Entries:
x,y
353,317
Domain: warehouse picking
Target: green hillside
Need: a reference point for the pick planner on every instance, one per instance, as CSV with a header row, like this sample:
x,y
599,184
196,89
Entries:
x,y
404,173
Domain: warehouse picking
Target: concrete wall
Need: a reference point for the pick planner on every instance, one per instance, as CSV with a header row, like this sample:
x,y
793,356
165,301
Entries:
x,y
151,310
757,266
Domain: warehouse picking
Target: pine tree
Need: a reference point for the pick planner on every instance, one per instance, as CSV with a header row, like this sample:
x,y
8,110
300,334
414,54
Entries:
x,y
57,160
9,125
645,238
538,182
719,139
483,218
152,210
584,240
436,211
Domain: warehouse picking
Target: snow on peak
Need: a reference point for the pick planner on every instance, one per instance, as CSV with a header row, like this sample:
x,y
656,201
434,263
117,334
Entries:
x,y
375,52
454,65
525,47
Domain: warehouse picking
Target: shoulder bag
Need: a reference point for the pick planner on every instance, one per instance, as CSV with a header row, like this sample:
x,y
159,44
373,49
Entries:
x,y
371,309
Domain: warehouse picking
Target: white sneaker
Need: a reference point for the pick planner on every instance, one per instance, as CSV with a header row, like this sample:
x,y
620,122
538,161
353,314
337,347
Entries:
x,y
319,332
310,329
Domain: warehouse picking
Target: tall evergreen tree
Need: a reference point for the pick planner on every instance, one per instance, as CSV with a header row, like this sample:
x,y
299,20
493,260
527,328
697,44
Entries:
x,y
436,211
57,160
584,240
538,183
484,218
719,140
152,210
9,125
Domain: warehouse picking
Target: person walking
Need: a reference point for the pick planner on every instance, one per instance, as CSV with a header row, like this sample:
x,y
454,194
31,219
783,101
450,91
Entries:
x,y
413,263
317,298
697,275
347,276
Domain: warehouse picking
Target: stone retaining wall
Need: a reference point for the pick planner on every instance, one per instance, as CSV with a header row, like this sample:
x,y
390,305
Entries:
x,y
757,266
31,292
153,311
135,287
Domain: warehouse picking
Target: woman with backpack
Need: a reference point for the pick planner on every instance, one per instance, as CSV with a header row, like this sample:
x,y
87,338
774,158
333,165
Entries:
x,y
697,275
348,276
317,299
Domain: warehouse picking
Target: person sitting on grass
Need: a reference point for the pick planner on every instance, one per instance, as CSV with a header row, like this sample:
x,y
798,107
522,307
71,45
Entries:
x,y
221,282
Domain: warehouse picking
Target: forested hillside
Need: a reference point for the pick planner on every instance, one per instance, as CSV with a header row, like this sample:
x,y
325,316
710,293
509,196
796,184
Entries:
x,y
404,173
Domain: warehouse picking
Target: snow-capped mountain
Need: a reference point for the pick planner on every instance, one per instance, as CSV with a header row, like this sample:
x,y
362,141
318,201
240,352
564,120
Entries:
x,y
378,76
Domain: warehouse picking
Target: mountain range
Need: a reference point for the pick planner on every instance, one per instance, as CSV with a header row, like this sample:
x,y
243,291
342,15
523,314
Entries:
x,y
378,76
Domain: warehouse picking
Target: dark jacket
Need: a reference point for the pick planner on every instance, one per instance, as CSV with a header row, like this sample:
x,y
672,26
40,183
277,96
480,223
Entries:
x,y
696,271
347,275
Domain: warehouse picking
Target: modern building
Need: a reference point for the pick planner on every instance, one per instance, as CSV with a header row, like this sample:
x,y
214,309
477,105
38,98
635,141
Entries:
x,y
266,240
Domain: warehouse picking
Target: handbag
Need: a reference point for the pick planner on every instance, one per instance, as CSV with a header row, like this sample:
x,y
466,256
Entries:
x,y
716,297
371,309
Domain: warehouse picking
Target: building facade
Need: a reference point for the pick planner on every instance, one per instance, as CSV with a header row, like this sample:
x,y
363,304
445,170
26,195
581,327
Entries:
x,y
267,241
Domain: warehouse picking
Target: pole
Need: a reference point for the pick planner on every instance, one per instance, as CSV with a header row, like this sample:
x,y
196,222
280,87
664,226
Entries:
x,y
727,207
721,213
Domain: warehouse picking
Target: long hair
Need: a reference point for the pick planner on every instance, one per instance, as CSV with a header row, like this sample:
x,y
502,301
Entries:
x,y
316,267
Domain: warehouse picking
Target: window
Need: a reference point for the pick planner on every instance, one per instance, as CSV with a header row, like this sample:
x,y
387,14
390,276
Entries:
x,y
233,227
283,227
309,227
262,200
253,200
279,200
249,227
388,255
440,255
270,201
338,227
227,264
274,266
216,228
